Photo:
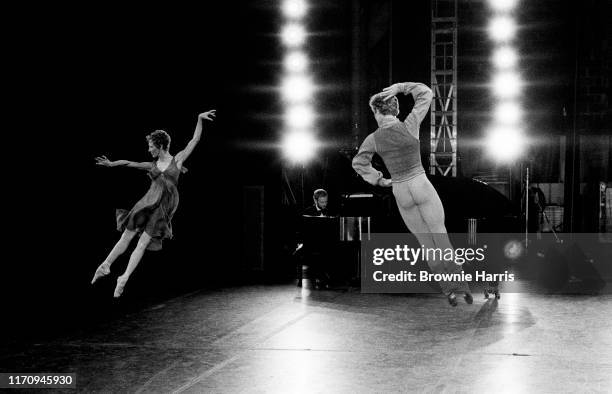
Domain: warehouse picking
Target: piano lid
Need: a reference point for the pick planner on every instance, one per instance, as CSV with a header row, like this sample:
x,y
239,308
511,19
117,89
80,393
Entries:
x,y
359,195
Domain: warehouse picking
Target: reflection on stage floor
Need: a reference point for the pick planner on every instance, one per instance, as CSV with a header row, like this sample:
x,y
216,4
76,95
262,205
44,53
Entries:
x,y
283,339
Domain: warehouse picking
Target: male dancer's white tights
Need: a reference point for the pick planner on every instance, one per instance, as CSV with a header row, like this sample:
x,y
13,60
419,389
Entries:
x,y
423,213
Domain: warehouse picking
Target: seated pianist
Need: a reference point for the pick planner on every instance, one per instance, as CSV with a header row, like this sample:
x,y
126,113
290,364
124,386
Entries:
x,y
316,239
319,208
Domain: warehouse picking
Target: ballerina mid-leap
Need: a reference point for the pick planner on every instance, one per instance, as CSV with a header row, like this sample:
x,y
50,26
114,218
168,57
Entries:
x,y
151,216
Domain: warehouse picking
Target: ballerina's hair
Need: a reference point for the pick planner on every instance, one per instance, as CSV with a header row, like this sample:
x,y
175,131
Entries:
x,y
385,107
160,139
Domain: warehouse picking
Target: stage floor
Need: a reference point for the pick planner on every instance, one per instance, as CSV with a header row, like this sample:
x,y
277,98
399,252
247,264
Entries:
x,y
279,339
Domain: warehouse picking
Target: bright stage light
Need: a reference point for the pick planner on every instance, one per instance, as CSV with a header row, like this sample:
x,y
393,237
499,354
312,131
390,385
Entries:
x,y
505,143
506,85
508,113
505,57
295,8
299,146
299,116
297,88
502,28
503,5
296,62
293,35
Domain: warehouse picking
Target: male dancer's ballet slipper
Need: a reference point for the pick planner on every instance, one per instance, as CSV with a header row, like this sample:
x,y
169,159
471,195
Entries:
x,y
120,285
491,291
103,270
452,299
468,298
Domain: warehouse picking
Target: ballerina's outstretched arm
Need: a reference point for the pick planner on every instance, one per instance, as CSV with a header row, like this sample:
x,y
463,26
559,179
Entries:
x,y
197,134
105,162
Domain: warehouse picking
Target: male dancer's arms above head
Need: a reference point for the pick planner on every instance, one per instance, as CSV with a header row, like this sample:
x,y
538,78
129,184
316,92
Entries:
x,y
422,101
422,95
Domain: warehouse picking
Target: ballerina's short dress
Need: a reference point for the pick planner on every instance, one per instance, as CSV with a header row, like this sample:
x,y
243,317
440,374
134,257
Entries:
x,y
153,212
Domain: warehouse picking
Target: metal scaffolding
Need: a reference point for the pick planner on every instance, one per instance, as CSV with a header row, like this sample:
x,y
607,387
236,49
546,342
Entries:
x,y
443,156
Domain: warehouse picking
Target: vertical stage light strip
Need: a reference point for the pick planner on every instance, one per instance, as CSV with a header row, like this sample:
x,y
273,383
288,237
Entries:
x,y
297,88
505,139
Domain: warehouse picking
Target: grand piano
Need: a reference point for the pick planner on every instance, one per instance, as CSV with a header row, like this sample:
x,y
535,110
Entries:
x,y
362,213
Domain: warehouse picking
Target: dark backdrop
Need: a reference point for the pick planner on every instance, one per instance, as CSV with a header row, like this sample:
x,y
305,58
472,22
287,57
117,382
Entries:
x,y
96,80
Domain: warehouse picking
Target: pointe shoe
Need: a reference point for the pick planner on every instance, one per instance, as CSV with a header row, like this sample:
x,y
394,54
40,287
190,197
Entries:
x,y
468,298
102,270
497,296
486,294
452,299
120,285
